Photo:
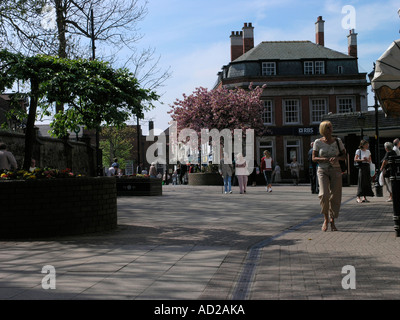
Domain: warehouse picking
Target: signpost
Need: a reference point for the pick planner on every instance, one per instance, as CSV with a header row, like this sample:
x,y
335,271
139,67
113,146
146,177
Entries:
x,y
129,167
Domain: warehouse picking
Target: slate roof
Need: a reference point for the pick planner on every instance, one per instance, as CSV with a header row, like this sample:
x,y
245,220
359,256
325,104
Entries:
x,y
348,123
290,50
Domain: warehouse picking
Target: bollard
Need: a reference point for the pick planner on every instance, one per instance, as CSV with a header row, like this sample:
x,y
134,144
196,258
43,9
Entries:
x,y
394,163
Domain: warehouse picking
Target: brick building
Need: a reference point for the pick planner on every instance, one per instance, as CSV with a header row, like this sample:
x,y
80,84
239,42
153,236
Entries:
x,y
304,81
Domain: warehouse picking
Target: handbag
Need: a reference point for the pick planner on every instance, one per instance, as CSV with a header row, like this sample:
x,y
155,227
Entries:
x,y
381,179
372,169
342,163
356,163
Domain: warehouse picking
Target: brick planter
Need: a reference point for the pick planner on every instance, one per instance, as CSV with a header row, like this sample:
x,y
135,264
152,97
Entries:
x,y
49,208
207,179
139,186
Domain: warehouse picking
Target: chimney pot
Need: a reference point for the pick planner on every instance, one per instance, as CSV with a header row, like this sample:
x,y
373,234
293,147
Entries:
x,y
236,45
352,43
319,31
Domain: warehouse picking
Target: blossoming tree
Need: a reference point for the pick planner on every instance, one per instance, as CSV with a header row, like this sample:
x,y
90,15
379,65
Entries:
x,y
220,109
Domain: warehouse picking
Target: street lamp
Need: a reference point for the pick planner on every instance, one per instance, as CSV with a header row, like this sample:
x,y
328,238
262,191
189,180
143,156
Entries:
x,y
376,106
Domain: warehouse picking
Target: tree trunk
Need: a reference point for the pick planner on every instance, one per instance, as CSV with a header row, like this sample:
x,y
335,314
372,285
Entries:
x,y
30,126
62,41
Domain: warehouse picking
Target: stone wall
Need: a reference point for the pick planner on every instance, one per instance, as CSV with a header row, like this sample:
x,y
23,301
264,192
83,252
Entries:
x,y
79,156
60,207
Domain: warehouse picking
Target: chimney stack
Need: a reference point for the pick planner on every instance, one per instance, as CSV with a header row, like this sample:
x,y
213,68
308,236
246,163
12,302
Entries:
x,y
242,41
248,37
319,31
236,45
352,41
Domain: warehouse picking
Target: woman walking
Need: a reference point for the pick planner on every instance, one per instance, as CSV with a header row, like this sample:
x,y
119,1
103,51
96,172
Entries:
x,y
241,172
326,152
295,171
363,159
266,168
226,170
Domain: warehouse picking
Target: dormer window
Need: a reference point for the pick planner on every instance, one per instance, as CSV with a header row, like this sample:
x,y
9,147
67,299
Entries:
x,y
268,68
314,67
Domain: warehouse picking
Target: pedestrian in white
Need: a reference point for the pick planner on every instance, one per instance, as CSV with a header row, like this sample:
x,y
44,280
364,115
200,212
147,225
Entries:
x,y
242,172
295,171
276,174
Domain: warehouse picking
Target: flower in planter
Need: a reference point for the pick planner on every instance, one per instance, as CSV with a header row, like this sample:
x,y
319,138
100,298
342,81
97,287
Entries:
x,y
38,173
138,176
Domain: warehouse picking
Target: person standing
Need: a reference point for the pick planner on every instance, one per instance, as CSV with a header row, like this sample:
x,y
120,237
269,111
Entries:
x,y
266,168
326,153
153,170
312,170
32,166
241,172
226,171
139,168
7,159
276,173
295,171
385,168
363,159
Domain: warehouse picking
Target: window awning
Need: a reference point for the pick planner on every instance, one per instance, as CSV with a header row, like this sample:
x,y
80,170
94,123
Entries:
x,y
386,81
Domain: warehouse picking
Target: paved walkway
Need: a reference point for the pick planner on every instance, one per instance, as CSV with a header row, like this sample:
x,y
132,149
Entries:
x,y
198,243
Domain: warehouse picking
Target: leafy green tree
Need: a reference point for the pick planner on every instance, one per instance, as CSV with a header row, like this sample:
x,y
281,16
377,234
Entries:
x,y
95,93
117,143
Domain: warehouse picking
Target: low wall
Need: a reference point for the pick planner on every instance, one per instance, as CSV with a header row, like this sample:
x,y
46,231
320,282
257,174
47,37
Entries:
x,y
139,186
207,179
49,208
54,153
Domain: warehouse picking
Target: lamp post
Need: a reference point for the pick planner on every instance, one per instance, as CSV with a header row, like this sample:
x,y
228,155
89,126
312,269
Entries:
x,y
361,123
378,188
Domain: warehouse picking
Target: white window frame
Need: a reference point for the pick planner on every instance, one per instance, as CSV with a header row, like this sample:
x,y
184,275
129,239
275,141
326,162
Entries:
x,y
319,67
268,112
340,69
297,147
350,100
314,67
308,67
315,109
268,69
291,106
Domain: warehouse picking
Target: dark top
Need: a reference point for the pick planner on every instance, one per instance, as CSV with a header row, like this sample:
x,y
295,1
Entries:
x,y
386,157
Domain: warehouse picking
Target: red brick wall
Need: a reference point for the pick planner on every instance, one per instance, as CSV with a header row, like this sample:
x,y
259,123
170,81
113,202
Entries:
x,y
49,208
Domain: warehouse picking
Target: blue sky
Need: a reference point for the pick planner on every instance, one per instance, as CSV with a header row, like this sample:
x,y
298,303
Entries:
x,y
192,36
